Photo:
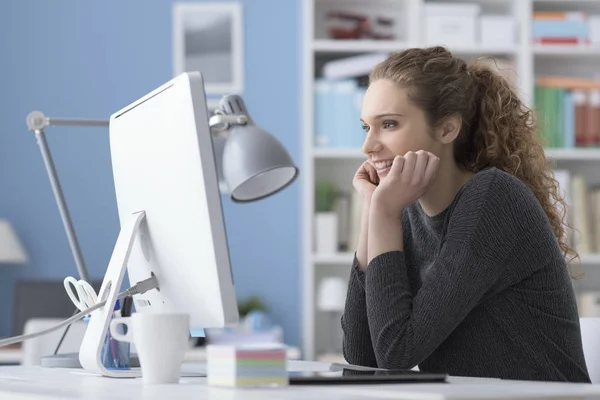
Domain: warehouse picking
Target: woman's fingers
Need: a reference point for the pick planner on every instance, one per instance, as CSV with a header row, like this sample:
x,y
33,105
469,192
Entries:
x,y
408,169
432,167
422,158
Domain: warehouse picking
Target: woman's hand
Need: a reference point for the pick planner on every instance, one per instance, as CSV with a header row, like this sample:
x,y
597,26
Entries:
x,y
408,179
365,180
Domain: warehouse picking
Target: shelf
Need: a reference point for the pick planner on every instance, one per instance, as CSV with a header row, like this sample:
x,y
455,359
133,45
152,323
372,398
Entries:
x,y
357,46
566,50
339,153
573,154
589,259
346,259
482,50
335,258
553,154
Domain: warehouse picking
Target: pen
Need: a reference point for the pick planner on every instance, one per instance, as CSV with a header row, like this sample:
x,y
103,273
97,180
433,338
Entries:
x,y
114,349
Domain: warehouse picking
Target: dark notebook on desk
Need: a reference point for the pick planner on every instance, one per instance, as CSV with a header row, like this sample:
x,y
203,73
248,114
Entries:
x,y
350,376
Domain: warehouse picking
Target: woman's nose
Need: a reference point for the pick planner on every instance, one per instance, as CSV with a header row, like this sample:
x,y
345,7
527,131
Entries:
x,y
371,144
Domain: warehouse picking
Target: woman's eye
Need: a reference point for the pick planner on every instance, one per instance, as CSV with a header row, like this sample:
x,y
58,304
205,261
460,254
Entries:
x,y
388,124
365,128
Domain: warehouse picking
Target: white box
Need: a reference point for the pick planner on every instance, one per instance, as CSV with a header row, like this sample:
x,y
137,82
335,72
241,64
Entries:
x,y
594,27
497,30
451,23
451,30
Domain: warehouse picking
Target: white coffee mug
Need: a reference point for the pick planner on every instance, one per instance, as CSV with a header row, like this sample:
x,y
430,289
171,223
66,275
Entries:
x,y
161,341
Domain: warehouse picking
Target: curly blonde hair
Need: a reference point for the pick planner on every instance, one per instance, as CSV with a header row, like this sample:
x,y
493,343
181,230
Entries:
x,y
498,130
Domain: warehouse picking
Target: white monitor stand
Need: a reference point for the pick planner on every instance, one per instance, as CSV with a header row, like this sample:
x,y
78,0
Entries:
x,y
91,347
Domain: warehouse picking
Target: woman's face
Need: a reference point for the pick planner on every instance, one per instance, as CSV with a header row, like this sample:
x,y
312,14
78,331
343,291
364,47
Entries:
x,y
393,126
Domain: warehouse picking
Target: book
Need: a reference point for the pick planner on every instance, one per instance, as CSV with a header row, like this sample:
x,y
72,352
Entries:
x,y
583,241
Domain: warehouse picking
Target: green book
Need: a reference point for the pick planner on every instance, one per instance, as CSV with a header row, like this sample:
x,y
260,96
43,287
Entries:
x,y
541,108
559,127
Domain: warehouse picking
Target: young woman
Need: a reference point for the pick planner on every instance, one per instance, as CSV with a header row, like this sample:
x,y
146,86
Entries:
x,y
460,266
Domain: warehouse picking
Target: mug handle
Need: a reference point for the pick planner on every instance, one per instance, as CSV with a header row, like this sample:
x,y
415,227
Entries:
x,y
116,333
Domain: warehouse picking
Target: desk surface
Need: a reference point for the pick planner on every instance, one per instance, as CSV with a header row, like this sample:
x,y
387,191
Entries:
x,y
14,354
36,383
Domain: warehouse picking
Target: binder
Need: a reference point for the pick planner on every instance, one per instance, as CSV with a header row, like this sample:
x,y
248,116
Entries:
x,y
323,110
344,119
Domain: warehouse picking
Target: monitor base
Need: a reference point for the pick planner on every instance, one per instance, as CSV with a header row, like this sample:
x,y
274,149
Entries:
x,y
71,360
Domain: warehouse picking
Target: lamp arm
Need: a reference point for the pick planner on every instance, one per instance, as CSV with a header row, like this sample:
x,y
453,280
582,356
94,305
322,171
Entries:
x,y
36,121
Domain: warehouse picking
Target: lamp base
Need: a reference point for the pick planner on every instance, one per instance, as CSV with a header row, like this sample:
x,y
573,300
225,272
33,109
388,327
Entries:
x,y
66,360
71,360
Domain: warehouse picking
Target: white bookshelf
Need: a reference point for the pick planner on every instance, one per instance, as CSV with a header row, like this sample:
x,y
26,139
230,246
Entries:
x,y
340,164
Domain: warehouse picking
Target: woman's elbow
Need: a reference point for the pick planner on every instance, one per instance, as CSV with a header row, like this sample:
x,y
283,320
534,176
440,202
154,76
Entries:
x,y
393,356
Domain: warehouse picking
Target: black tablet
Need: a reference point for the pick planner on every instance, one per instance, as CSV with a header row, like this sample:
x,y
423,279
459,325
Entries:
x,y
348,376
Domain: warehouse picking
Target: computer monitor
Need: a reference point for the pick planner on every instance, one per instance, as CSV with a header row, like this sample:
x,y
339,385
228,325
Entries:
x,y
170,212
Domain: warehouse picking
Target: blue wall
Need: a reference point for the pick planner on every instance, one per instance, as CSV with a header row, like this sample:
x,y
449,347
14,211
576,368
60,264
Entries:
x,y
73,58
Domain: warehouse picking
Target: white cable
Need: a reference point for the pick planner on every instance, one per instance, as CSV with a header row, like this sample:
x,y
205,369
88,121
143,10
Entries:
x,y
78,316
139,288
83,295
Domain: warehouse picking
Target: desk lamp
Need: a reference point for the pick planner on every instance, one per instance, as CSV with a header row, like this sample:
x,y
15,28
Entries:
x,y
254,165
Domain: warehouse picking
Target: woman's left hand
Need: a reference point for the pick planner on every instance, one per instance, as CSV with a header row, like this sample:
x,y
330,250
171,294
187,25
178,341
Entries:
x,y
409,178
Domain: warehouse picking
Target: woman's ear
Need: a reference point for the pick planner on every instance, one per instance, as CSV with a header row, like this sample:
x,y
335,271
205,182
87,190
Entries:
x,y
449,129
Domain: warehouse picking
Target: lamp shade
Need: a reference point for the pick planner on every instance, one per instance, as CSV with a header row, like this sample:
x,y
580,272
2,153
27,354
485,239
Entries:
x,y
255,163
332,294
11,250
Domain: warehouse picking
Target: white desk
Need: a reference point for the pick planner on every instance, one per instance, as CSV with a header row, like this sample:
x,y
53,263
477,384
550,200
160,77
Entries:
x,y
36,383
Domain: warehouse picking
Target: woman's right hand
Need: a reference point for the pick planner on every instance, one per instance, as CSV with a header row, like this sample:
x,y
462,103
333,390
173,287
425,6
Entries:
x,y
366,179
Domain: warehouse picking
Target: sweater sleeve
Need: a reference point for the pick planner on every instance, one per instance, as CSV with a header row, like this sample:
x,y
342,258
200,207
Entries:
x,y
356,344
489,228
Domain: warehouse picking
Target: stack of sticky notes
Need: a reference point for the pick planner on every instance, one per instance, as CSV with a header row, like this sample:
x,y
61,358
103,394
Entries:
x,y
246,365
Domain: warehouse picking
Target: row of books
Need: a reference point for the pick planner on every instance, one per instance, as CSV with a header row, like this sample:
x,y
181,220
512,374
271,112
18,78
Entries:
x,y
553,27
337,105
583,210
568,111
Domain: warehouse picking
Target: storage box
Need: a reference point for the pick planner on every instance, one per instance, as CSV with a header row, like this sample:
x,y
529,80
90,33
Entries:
x,y
451,31
451,23
497,30
594,29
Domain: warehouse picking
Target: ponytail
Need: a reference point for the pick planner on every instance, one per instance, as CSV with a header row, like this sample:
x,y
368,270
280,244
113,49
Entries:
x,y
503,135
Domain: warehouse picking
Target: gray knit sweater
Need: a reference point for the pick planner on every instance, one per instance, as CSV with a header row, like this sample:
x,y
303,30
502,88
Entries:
x,y
481,289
